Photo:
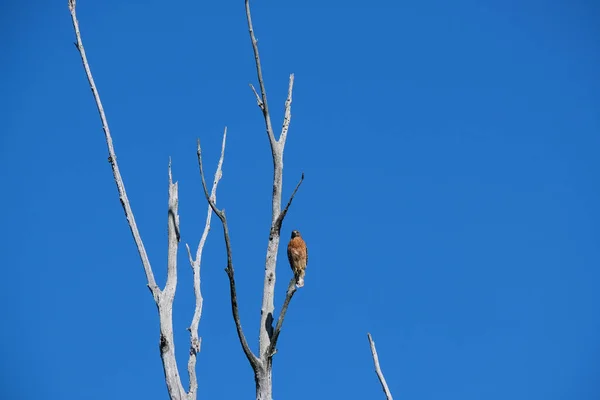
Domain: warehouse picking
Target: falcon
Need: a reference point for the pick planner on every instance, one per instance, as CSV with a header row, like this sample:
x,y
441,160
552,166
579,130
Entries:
x,y
298,257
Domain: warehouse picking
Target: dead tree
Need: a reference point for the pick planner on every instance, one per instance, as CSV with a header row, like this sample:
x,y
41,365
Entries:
x,y
162,297
262,363
268,335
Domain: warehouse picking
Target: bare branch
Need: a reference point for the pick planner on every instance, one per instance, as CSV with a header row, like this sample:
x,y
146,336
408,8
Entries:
x,y
211,204
287,117
195,341
261,82
163,299
258,100
190,253
254,361
112,158
282,215
288,297
213,197
173,238
384,385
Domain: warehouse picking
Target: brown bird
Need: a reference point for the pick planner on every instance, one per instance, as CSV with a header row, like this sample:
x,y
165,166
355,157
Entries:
x,y
298,257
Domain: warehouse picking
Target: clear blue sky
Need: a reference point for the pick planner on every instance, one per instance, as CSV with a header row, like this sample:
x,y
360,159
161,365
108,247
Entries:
x,y
450,203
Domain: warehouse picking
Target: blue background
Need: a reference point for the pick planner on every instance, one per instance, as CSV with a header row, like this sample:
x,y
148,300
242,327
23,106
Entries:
x,y
450,204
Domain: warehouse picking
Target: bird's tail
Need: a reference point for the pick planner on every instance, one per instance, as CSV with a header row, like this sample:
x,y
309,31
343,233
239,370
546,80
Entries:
x,y
300,279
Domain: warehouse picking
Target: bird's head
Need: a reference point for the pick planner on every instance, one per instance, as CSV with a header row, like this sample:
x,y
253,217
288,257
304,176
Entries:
x,y
295,234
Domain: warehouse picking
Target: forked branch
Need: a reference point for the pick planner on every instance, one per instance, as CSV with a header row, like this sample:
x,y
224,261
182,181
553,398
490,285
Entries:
x,y
112,158
384,385
262,102
195,341
164,298
288,297
229,269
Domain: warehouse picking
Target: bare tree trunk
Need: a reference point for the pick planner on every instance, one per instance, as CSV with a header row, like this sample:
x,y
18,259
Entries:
x,y
262,364
167,350
264,383
267,336
165,304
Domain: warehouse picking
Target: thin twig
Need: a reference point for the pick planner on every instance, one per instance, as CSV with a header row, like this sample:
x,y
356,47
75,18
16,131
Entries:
x,y
112,158
264,107
384,385
195,341
258,100
254,361
288,297
282,215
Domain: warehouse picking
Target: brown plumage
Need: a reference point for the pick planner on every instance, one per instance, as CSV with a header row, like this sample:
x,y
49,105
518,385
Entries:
x,y
298,257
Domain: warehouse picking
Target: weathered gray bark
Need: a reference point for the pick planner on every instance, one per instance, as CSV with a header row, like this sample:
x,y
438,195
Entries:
x,y
262,364
195,341
378,371
163,298
268,334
